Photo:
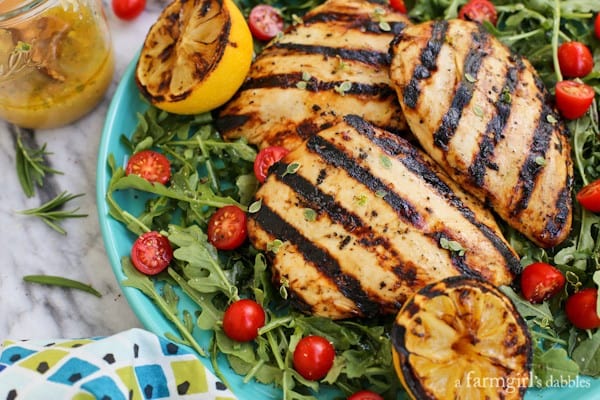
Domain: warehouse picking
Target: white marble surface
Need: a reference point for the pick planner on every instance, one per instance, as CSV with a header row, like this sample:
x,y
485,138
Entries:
x,y
28,246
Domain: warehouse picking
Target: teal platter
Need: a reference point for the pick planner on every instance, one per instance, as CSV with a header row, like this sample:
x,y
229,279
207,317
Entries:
x,y
122,120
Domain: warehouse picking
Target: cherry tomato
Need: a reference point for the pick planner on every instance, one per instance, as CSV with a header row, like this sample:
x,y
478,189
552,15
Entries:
x,y
227,228
581,309
128,9
398,5
265,22
597,26
265,158
573,99
479,11
150,165
365,395
243,319
541,281
575,59
151,253
589,196
313,357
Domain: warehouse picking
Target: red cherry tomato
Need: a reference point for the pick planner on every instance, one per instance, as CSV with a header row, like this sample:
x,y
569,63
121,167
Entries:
x,y
265,158
581,309
151,253
243,319
597,26
398,5
227,228
589,196
575,59
313,357
541,281
573,99
365,395
479,11
265,22
150,165
128,9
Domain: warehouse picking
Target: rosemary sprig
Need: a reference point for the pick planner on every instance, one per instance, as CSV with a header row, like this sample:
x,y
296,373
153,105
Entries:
x,y
32,167
51,212
63,282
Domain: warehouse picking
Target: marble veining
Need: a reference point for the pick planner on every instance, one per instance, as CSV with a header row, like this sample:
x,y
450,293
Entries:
x,y
28,246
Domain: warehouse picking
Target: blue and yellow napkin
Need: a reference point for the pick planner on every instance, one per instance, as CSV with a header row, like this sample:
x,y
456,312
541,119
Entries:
x,y
131,365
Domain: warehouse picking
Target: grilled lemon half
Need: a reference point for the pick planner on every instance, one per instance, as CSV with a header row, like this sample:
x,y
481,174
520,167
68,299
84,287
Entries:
x,y
195,56
461,338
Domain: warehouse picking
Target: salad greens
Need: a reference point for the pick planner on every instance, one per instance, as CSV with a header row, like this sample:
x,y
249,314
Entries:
x,y
208,173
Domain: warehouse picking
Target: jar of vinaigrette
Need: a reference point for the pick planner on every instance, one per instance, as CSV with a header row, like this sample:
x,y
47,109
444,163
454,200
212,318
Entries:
x,y
56,60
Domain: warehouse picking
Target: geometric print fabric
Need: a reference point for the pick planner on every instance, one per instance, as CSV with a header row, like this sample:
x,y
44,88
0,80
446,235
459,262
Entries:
x,y
131,365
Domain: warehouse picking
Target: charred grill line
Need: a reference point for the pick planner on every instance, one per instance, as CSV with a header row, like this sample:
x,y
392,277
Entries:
x,y
375,58
292,80
352,223
414,163
334,156
428,64
350,287
531,167
464,92
495,127
556,225
362,22
318,200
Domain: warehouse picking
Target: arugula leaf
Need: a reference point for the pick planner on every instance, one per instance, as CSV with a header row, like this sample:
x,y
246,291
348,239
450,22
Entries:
x,y
200,259
136,279
553,367
587,355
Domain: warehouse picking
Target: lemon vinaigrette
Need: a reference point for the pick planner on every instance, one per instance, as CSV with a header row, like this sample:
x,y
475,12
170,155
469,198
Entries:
x,y
56,60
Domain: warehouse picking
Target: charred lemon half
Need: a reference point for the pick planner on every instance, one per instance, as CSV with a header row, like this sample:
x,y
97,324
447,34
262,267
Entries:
x,y
195,56
461,338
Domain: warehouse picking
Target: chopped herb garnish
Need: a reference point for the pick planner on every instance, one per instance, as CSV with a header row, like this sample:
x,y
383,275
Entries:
x,y
292,168
386,162
255,206
343,87
452,245
274,246
310,214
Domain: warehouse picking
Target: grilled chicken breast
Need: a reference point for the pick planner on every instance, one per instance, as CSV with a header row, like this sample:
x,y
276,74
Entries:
x,y
484,115
364,219
335,62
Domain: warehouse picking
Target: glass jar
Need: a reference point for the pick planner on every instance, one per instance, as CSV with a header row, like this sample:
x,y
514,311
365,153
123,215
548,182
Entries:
x,y
56,60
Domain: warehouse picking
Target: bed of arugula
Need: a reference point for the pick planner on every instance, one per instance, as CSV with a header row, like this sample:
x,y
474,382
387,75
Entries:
x,y
209,173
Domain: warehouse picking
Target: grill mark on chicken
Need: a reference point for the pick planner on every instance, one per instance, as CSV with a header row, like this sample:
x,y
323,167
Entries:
x,y
414,163
352,223
495,127
292,80
334,156
464,92
375,58
320,258
531,168
365,24
318,200
428,60
555,225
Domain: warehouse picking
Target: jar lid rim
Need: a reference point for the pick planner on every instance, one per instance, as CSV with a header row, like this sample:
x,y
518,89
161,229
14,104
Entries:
x,y
19,8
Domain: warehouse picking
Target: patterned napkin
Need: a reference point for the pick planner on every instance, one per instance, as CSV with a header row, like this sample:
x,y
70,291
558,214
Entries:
x,y
134,364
